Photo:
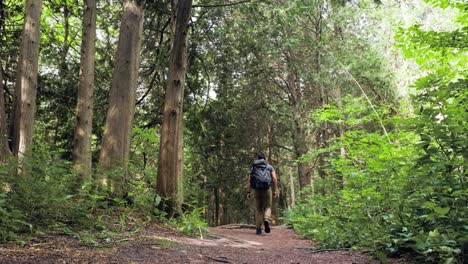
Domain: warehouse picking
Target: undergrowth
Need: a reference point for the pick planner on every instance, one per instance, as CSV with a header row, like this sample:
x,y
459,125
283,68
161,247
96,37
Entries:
x,y
44,196
398,193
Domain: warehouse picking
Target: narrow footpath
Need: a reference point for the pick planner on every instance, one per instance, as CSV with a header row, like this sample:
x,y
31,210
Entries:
x,y
225,244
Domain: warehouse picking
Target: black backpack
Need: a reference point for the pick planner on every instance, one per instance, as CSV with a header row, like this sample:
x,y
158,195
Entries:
x,y
260,176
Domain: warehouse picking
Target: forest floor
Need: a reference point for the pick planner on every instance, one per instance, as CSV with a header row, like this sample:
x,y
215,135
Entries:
x,y
224,244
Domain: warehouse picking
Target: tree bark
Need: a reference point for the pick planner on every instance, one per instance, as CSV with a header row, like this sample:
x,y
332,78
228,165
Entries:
x,y
26,80
212,207
170,166
4,148
300,149
291,187
115,150
221,207
341,133
66,34
84,109
299,136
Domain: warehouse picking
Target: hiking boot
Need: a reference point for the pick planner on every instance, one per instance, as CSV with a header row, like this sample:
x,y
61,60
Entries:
x,y
267,227
259,231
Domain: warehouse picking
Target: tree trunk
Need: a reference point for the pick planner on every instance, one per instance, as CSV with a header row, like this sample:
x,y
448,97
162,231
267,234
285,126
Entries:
x,y
4,148
26,80
84,108
221,207
299,136
170,166
115,150
66,34
291,186
212,207
341,133
322,137
300,148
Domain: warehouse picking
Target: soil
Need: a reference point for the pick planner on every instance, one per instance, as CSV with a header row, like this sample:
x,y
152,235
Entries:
x,y
156,244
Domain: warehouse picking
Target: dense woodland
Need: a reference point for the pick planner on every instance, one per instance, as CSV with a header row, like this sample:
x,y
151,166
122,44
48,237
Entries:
x,y
154,110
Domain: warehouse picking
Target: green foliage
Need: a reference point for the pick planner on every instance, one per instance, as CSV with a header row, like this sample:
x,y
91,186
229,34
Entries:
x,y
369,181
48,197
192,223
409,195
40,197
111,226
441,122
143,169
10,220
391,197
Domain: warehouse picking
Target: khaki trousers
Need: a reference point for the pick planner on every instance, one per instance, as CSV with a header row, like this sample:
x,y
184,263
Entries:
x,y
263,201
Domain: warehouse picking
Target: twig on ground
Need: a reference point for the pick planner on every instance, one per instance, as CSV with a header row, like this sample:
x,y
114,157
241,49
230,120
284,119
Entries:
x,y
124,239
329,250
224,260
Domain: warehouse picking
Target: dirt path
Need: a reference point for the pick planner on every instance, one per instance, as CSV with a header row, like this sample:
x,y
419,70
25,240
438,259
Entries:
x,y
227,244
282,245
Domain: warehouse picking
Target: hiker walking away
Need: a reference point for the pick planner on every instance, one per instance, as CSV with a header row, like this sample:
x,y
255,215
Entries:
x,y
263,180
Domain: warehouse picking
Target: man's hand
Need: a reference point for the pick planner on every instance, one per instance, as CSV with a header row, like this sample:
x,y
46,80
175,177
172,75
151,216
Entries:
x,y
275,194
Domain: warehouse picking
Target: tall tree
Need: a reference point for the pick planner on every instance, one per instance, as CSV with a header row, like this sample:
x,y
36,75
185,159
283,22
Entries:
x,y
170,164
299,139
84,109
115,150
26,80
4,148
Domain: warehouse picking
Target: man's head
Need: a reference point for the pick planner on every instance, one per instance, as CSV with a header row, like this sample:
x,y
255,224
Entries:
x,y
261,155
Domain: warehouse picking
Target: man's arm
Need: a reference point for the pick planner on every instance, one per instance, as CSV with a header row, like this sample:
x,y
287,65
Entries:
x,y
274,183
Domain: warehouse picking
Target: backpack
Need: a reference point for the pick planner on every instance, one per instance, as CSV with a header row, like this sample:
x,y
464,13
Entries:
x,y
260,176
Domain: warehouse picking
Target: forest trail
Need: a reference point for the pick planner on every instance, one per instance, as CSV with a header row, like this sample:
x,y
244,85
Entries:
x,y
225,244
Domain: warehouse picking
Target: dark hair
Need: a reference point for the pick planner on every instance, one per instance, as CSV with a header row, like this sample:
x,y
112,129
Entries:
x,y
261,155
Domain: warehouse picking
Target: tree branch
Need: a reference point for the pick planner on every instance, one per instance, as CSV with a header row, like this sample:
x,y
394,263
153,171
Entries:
x,y
365,95
223,5
283,147
153,80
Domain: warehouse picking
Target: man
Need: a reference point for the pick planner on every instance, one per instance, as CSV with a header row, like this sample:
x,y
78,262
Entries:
x,y
263,180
